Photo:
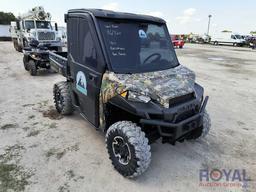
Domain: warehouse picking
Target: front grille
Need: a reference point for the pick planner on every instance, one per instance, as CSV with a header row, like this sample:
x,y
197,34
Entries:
x,y
182,99
46,36
185,115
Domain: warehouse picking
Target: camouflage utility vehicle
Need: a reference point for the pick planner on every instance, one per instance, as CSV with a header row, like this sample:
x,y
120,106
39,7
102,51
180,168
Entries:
x,y
123,76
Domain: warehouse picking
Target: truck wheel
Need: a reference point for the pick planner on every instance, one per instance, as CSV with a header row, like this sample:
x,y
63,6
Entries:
x,y
180,47
26,65
32,67
204,130
62,98
19,48
235,44
128,148
15,45
215,43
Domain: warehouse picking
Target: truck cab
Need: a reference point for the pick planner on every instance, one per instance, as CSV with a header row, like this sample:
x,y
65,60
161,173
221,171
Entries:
x,y
35,25
123,76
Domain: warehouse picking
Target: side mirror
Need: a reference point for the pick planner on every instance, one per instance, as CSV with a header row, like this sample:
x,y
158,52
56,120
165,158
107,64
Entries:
x,y
56,26
18,25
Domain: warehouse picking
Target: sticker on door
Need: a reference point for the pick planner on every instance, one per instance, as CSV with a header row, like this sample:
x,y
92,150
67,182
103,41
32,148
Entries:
x,y
81,82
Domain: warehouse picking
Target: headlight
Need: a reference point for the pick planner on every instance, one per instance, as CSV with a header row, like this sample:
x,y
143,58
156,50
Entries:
x,y
134,96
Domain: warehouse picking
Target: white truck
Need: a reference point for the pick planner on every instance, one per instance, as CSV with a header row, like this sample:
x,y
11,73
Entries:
x,y
35,24
227,38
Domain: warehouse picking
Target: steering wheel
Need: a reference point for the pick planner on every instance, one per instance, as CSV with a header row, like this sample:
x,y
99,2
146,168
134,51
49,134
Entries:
x,y
157,55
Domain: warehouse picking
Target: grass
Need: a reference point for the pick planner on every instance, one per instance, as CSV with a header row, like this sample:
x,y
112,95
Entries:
x,y
51,152
53,126
11,152
64,188
33,133
60,153
13,177
70,174
31,116
25,128
8,126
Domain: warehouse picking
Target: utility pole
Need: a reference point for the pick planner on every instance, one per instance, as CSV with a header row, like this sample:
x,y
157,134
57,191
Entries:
x,y
209,21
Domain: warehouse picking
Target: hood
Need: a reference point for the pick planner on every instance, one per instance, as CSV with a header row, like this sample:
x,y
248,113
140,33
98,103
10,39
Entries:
x,y
160,85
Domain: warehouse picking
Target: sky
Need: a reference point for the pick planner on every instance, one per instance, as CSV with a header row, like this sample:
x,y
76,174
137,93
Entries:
x,y
182,16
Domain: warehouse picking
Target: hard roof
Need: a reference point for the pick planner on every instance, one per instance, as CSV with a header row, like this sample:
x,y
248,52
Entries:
x,y
117,15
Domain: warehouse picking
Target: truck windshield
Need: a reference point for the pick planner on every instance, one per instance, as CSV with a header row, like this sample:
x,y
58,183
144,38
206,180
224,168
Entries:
x,y
43,25
135,47
39,24
29,24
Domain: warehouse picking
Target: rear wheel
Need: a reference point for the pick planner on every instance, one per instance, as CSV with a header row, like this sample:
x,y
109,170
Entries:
x,y
128,148
215,43
32,67
235,44
62,98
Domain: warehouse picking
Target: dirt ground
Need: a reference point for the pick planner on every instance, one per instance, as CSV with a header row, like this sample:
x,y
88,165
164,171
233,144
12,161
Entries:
x,y
41,151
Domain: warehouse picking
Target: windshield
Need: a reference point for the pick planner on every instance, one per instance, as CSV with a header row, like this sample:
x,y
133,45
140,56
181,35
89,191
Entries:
x,y
238,37
43,25
29,24
39,24
135,47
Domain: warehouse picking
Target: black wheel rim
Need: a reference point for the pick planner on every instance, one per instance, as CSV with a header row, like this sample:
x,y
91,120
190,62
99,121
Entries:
x,y
121,150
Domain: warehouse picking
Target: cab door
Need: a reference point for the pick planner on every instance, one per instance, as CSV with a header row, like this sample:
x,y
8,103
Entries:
x,y
85,59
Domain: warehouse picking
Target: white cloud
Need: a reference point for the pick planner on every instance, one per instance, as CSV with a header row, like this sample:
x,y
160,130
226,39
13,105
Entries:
x,y
111,6
189,12
188,16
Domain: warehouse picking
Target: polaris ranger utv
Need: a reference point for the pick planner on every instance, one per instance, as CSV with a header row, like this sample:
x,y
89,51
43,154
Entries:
x,y
123,76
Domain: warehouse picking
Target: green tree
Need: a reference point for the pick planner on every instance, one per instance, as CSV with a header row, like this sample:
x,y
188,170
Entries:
x,y
6,18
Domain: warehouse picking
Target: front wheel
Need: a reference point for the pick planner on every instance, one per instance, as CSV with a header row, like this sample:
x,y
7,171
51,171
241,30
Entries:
x,y
62,98
128,148
32,67
202,131
25,63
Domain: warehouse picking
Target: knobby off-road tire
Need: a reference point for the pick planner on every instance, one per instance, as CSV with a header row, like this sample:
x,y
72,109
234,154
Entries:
x,y
25,63
203,131
128,148
32,67
62,98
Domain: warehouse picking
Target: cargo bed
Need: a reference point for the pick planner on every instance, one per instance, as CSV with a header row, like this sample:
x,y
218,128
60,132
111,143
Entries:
x,y
59,62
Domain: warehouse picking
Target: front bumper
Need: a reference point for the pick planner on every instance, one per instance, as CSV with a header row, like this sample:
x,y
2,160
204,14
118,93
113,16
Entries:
x,y
176,131
52,43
